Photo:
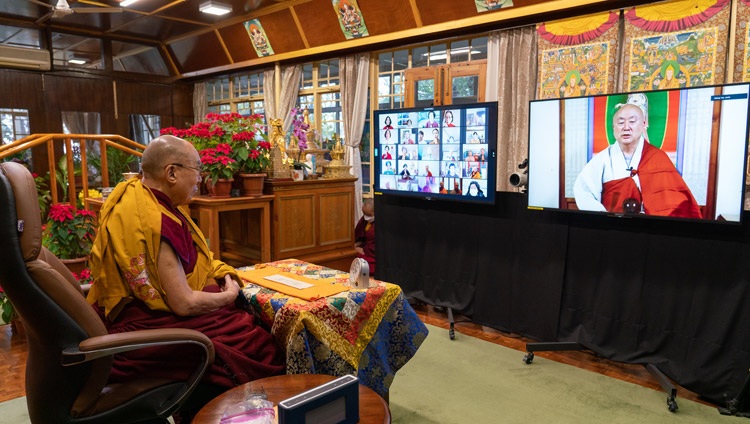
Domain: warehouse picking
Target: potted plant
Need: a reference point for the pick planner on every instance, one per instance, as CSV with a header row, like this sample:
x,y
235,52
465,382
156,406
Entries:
x,y
7,313
245,135
299,134
69,234
219,167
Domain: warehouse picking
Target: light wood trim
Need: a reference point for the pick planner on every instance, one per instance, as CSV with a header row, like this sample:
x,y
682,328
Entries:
x,y
49,140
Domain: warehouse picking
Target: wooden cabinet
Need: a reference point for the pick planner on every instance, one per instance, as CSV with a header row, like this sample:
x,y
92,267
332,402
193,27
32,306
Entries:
x,y
313,220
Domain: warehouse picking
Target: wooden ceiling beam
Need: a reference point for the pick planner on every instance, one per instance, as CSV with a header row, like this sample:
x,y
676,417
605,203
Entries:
x,y
514,16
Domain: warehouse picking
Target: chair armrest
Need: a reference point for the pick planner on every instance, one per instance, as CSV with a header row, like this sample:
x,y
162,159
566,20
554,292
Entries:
x,y
110,344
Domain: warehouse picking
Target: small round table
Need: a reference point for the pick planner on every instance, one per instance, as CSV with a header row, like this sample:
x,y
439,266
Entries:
x,y
372,407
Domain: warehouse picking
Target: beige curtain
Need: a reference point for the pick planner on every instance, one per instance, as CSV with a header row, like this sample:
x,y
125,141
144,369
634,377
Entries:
x,y
269,94
200,102
512,62
354,81
291,77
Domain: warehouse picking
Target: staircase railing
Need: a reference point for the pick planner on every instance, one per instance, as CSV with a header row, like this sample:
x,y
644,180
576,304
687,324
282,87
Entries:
x,y
105,140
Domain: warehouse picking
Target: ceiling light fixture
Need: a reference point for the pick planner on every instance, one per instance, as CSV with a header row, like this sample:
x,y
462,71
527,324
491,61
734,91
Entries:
x,y
126,3
215,8
77,61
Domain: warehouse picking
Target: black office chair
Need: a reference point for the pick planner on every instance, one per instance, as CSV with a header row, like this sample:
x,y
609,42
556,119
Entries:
x,y
70,352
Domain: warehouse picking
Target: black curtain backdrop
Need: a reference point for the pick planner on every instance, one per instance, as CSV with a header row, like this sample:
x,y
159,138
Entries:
x,y
672,294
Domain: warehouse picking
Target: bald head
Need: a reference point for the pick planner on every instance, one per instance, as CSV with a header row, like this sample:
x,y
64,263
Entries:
x,y
165,150
368,207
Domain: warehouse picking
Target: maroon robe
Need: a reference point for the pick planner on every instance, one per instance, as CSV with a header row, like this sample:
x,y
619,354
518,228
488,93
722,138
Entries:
x,y
663,191
244,350
365,234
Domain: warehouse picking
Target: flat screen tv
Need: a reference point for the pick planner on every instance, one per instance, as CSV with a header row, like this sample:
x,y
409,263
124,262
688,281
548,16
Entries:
x,y
676,153
437,153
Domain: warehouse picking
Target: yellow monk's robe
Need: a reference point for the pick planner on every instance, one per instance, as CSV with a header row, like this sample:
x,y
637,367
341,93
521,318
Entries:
x,y
129,294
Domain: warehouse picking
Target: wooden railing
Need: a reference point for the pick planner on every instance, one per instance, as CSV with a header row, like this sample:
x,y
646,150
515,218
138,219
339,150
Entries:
x,y
105,140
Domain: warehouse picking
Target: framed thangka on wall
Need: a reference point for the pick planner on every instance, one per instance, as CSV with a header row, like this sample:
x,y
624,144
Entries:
x,y
742,35
675,44
258,38
486,5
350,18
576,56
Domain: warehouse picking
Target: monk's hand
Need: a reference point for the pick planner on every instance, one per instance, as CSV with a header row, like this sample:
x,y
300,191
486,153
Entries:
x,y
230,285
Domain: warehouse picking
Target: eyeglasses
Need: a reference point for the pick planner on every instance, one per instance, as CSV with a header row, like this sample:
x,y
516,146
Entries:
x,y
196,169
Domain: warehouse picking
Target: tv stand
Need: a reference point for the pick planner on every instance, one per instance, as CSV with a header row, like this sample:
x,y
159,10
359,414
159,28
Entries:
x,y
664,382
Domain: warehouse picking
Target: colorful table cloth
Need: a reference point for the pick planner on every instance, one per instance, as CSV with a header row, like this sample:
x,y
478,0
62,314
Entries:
x,y
368,332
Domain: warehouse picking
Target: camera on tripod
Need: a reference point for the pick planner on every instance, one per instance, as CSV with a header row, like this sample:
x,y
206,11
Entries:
x,y
520,179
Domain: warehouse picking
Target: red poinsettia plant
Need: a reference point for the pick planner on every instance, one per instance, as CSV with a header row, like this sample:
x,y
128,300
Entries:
x,y
246,135
83,277
218,163
69,232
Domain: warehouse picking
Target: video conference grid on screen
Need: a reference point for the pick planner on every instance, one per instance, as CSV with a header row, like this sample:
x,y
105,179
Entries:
x,y
588,148
436,151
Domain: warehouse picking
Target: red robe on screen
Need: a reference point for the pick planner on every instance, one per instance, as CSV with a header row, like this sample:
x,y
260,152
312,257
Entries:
x,y
663,191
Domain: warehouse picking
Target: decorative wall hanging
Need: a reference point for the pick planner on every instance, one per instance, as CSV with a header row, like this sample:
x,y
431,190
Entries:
x,y
350,18
258,38
676,44
576,56
487,5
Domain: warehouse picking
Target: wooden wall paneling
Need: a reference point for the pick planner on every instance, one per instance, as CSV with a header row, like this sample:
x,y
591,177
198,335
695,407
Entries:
x,y
439,11
320,23
182,107
238,43
282,32
23,90
384,16
199,52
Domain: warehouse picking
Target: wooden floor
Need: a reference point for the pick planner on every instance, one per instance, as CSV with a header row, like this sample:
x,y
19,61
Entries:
x,y
13,356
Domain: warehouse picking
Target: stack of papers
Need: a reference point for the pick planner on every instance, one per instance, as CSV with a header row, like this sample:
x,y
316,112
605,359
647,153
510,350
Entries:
x,y
291,284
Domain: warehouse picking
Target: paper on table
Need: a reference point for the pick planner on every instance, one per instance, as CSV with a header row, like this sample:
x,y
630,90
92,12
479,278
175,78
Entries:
x,y
323,287
291,282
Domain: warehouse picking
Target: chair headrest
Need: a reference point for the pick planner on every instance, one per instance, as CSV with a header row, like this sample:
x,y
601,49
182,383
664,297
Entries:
x,y
27,208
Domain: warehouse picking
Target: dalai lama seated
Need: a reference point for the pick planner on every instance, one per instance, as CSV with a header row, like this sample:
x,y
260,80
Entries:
x,y
152,269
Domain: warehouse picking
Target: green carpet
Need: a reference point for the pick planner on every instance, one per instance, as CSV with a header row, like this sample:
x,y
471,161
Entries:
x,y
467,380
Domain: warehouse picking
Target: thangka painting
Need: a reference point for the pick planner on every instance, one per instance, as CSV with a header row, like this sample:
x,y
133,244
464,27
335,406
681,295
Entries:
x,y
676,44
742,54
576,56
485,5
258,38
350,18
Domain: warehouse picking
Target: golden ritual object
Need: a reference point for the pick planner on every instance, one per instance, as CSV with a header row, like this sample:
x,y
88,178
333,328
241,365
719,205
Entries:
x,y
337,168
278,168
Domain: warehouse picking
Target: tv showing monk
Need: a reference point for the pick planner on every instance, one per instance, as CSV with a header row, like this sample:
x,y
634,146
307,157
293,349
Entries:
x,y
667,153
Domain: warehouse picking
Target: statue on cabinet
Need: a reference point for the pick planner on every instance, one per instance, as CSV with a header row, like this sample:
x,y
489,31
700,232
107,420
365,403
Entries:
x,y
277,135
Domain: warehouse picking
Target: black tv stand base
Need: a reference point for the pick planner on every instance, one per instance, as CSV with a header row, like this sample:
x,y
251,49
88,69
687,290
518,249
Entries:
x,y
664,382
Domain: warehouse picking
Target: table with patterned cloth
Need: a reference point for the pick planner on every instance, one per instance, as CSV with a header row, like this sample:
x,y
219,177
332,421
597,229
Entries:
x,y
370,332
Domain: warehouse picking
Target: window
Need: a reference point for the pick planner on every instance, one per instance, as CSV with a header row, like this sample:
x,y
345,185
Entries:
x,y
76,51
131,57
144,128
241,93
447,72
14,124
319,94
